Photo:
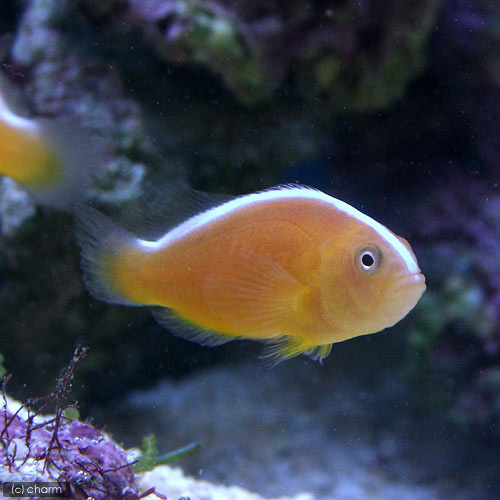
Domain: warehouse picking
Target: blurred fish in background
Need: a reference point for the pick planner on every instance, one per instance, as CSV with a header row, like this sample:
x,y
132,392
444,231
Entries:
x,y
53,159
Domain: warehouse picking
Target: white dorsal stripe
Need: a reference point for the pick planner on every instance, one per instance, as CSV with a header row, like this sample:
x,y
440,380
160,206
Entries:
x,y
278,193
15,121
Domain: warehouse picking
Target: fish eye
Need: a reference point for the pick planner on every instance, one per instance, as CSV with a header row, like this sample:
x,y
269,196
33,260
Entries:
x,y
368,259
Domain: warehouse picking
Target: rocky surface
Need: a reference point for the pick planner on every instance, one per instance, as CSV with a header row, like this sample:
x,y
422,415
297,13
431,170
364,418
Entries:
x,y
16,206
173,483
359,55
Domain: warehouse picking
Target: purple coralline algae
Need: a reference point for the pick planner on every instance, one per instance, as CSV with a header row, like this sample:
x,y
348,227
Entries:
x,y
62,449
58,449
463,224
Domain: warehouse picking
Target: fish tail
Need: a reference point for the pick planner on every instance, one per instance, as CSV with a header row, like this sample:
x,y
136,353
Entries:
x,y
102,242
77,155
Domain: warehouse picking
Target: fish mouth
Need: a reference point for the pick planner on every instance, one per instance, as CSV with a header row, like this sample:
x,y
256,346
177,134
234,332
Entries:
x,y
414,282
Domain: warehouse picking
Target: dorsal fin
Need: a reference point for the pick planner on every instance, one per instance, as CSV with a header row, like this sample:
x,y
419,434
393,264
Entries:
x,y
10,95
160,209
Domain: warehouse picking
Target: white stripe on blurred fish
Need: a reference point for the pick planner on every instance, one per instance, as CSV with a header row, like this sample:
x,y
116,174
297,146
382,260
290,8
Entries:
x,y
52,159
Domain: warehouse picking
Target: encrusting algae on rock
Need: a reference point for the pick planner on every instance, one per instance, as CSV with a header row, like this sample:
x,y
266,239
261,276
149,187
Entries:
x,y
290,266
79,459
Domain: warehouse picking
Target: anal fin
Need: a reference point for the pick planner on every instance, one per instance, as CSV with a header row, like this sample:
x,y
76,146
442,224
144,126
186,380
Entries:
x,y
182,328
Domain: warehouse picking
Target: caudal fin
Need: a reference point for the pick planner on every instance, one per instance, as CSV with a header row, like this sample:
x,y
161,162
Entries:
x,y
81,155
101,241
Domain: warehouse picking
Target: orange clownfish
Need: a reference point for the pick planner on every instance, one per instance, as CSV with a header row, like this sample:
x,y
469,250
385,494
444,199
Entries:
x,y
51,159
290,266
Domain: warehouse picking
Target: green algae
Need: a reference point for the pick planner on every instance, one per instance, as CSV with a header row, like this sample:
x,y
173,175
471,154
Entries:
x,y
212,39
150,458
366,82
3,370
457,301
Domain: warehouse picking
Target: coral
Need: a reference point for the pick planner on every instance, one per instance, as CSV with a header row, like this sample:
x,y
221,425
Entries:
x,y
62,79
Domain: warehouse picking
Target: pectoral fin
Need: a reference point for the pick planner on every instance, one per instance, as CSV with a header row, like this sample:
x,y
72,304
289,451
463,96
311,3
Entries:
x,y
257,300
286,347
319,352
279,349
